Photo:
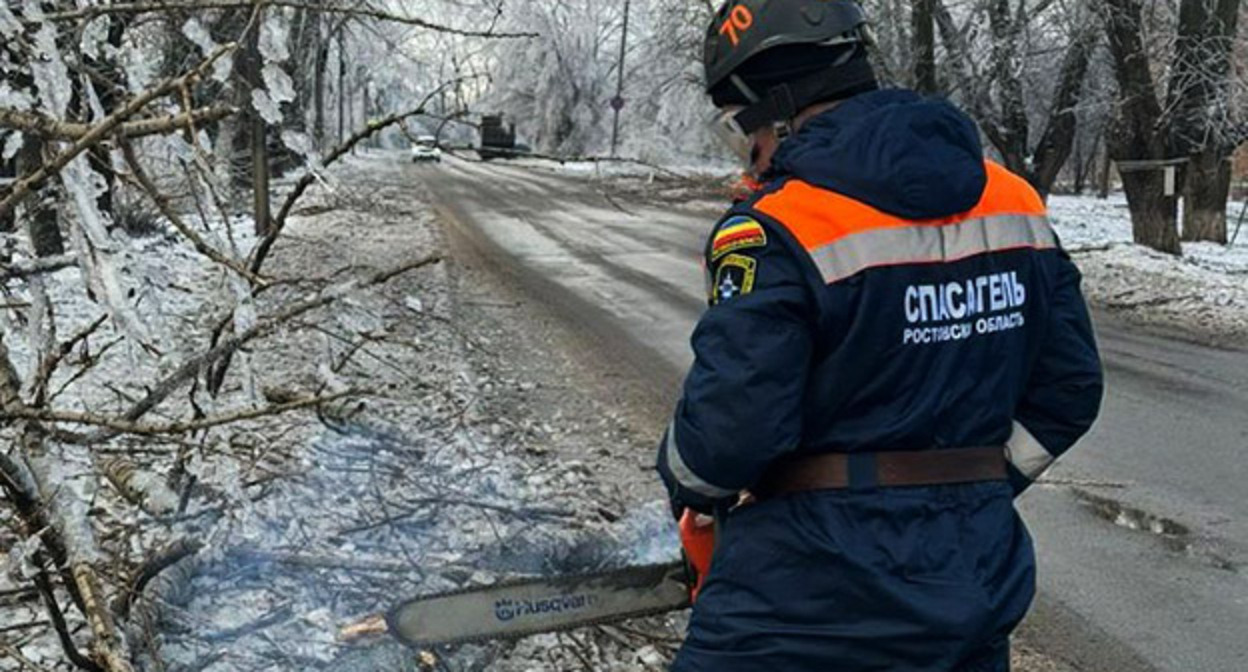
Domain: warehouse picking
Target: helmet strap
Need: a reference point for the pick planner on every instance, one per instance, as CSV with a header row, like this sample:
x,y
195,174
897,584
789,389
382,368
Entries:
x,y
783,103
744,88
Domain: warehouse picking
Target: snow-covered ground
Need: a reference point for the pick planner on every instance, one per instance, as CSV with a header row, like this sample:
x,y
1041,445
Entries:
x,y
1203,294
434,479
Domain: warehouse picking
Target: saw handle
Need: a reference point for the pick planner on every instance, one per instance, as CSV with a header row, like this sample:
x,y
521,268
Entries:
x,y
698,541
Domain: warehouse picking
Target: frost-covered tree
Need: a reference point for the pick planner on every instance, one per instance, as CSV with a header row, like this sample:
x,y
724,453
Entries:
x,y
559,86
119,125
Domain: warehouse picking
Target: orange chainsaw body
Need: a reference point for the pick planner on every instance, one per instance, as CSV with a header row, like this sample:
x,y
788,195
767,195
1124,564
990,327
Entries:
x,y
698,541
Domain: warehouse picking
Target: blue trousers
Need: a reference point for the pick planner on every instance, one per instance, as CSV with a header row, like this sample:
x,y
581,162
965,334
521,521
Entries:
x,y
927,579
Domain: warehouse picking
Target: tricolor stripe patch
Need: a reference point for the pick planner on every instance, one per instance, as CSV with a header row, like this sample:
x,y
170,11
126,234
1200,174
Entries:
x,y
738,233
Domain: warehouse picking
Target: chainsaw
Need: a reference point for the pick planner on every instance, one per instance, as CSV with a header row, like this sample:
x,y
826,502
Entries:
x,y
517,608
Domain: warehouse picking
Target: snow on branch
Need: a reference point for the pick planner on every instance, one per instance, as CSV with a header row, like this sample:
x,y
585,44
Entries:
x,y
194,366
166,209
356,11
117,427
52,129
25,269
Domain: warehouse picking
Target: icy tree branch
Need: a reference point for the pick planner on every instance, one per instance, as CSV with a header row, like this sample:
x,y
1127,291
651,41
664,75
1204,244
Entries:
x,y
25,269
354,11
27,185
166,209
52,129
196,365
117,427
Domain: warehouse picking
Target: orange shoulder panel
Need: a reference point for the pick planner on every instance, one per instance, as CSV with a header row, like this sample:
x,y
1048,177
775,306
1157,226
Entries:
x,y
819,217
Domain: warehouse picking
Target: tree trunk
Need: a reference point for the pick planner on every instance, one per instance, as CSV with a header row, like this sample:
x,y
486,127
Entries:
x,y
1080,181
924,30
1055,145
1136,135
1107,164
257,134
8,170
1010,133
41,212
318,86
1207,190
1153,214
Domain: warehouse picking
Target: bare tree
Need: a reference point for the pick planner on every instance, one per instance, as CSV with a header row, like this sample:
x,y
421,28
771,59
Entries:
x,y
1003,95
1191,128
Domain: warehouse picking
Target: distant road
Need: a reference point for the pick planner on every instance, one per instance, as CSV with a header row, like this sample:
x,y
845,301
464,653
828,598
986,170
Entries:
x,y
1143,533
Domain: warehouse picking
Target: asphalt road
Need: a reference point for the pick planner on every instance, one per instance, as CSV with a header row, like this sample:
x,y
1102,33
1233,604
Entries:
x,y
1142,531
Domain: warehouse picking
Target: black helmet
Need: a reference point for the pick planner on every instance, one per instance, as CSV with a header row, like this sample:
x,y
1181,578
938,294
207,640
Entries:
x,y
779,56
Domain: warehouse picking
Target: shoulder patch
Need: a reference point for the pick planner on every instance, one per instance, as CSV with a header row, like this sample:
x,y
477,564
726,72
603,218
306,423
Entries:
x,y
738,233
734,276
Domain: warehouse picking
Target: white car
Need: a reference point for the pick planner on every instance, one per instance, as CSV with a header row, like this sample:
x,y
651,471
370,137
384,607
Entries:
x,y
426,149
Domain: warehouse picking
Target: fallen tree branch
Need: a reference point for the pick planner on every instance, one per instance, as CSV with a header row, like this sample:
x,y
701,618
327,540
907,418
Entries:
x,y
34,123
25,269
27,185
151,568
128,427
562,160
166,209
107,644
53,359
22,491
60,626
186,5
196,365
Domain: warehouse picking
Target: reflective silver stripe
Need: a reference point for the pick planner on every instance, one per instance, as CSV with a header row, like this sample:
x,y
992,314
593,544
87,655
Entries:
x,y
1026,453
930,243
685,475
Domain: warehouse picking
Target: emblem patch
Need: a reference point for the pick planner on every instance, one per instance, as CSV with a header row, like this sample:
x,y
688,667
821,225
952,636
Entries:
x,y
734,277
738,233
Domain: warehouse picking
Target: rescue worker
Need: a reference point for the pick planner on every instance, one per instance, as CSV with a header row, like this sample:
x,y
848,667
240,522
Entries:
x,y
896,346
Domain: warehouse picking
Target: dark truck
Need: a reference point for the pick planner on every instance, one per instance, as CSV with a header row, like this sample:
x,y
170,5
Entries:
x,y
497,140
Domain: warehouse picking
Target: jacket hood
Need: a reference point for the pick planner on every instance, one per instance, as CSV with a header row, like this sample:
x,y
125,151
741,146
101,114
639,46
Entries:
x,y
909,156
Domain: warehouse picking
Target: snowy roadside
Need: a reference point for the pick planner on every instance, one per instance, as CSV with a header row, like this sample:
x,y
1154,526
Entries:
x,y
1203,295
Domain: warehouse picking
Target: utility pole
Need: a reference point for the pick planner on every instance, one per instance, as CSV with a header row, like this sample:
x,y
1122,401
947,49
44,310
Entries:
x,y
617,103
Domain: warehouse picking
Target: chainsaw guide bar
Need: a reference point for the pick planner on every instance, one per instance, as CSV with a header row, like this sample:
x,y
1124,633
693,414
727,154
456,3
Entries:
x,y
514,609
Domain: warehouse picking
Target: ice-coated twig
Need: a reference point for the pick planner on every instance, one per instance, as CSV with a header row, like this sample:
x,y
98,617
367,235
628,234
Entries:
x,y
25,269
115,427
49,128
353,11
166,209
53,359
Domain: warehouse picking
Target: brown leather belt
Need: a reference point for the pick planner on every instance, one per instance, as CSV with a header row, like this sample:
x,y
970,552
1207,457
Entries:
x,y
862,471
